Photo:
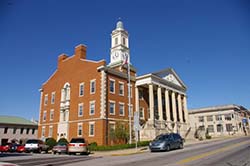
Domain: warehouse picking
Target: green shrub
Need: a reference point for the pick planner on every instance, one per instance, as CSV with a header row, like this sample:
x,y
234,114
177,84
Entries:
x,y
208,136
63,141
51,142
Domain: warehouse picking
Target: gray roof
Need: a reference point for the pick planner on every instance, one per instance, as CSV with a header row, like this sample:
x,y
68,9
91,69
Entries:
x,y
15,120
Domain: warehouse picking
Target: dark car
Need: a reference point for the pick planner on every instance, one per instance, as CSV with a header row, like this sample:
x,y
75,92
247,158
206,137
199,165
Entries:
x,y
61,147
166,142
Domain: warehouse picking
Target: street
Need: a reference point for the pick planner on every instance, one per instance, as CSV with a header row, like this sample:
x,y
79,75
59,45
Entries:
x,y
227,152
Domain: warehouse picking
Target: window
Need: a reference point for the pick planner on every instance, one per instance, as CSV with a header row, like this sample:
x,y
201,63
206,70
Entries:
x,y
44,115
229,127
111,128
5,130
210,128
91,129
14,130
80,109
91,107
43,131
92,86
33,131
116,41
218,117
131,92
51,116
112,108
79,129
202,128
46,99
123,41
112,86
121,89
53,97
130,112
21,131
141,113
81,89
141,94
27,131
50,131
201,118
228,117
219,128
121,109
210,118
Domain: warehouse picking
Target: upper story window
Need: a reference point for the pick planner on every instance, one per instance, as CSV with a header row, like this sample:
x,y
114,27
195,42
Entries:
x,y
51,116
14,130
80,109
131,92
140,94
50,131
112,86
112,108
201,118
33,131
5,130
116,40
21,130
65,93
130,110
141,113
123,41
228,117
53,94
121,109
218,117
121,89
81,89
210,118
46,99
92,86
27,131
91,107
44,115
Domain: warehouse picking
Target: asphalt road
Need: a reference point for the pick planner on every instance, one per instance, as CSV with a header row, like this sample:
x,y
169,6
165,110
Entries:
x,y
228,152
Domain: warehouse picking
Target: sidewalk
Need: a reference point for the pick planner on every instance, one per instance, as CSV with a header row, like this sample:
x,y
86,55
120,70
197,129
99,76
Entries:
x,y
125,152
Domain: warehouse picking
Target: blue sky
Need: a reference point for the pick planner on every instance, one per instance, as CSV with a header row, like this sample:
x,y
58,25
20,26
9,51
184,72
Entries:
x,y
206,42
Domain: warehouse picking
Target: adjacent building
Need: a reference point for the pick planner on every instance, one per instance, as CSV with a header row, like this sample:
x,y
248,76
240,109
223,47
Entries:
x,y
219,121
86,98
16,129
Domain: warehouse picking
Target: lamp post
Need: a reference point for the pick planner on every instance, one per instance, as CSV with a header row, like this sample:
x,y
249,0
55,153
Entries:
x,y
129,103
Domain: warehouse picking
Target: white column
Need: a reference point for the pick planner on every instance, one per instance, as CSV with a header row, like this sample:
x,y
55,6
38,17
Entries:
x,y
174,107
151,102
185,109
167,105
159,96
180,108
137,107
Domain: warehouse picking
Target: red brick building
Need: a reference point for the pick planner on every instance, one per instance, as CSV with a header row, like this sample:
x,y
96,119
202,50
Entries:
x,y
85,98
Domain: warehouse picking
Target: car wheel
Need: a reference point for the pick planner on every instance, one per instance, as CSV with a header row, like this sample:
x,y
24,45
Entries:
x,y
167,148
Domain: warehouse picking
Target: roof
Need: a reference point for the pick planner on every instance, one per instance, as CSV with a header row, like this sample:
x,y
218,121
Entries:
x,y
15,120
216,108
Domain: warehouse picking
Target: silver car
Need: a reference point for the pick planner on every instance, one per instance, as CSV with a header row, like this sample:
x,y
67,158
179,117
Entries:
x,y
166,142
78,145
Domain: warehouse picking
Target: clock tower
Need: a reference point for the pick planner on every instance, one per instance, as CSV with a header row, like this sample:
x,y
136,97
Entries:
x,y
119,45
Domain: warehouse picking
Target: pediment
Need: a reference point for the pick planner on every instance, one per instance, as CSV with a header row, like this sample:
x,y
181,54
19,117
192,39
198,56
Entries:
x,y
171,78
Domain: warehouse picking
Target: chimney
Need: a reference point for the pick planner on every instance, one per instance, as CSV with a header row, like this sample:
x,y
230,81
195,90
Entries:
x,y
60,59
80,51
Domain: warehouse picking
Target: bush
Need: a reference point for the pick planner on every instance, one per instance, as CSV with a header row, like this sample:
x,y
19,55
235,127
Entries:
x,y
63,140
94,147
208,136
51,142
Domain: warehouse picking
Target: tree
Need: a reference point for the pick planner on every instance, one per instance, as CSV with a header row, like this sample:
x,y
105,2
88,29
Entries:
x,y
51,142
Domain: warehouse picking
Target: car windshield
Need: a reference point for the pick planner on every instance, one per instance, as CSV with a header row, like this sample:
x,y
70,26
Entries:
x,y
161,137
77,140
33,141
62,143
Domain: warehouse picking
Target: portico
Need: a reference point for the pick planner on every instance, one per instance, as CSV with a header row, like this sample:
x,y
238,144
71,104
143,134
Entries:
x,y
161,98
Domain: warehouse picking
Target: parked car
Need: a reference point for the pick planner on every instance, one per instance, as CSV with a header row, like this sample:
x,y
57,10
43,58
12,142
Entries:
x,y
78,145
20,148
36,145
166,142
61,147
4,148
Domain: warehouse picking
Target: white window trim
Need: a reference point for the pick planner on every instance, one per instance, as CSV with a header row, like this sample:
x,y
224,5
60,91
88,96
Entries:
x,y
110,84
80,104
123,88
111,101
53,94
79,124
120,103
91,135
44,112
50,131
46,98
91,102
131,90
52,110
94,80
81,84
132,113
43,131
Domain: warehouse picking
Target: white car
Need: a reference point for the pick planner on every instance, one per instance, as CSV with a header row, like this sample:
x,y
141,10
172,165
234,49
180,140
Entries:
x,y
36,145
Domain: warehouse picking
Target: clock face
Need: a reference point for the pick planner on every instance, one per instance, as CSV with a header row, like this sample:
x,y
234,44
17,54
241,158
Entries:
x,y
115,55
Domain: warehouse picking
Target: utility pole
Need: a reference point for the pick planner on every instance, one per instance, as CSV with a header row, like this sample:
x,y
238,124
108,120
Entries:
x,y
129,102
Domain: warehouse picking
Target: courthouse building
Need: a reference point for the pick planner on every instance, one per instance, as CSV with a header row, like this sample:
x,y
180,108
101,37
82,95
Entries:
x,y
85,98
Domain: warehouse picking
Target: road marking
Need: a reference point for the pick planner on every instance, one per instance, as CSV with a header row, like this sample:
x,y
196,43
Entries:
x,y
193,158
